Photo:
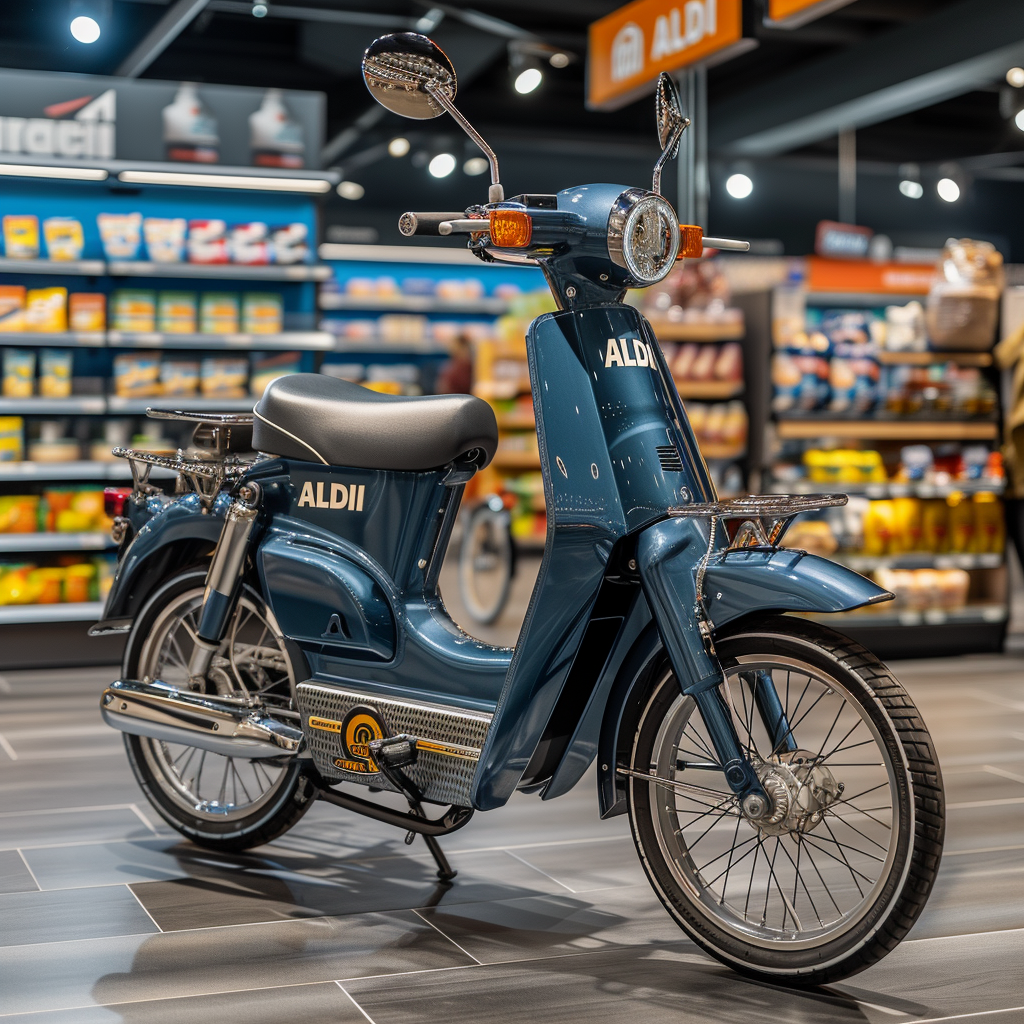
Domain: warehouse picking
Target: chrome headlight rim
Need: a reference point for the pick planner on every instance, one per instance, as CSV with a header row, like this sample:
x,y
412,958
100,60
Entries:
x,y
629,207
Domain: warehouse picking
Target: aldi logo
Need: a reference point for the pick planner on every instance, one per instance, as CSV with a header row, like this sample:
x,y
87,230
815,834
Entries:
x,y
341,496
81,128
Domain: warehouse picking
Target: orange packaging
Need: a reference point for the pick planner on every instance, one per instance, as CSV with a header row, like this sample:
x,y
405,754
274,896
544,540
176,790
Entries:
x,y
989,524
961,523
907,525
879,526
78,583
934,526
87,311
12,307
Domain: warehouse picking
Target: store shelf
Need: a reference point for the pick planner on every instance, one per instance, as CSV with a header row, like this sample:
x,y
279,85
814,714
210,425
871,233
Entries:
x,y
84,470
21,614
220,271
499,390
918,560
517,460
55,541
809,428
969,614
517,421
709,389
318,340
935,358
186,403
378,346
66,339
670,330
85,405
75,268
892,490
412,304
862,299
721,451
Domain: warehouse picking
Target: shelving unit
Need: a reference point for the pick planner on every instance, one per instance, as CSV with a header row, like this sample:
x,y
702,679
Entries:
x,y
24,614
308,340
673,330
811,427
55,542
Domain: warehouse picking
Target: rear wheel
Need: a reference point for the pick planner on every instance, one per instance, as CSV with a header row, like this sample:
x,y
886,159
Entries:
x,y
486,562
221,802
838,874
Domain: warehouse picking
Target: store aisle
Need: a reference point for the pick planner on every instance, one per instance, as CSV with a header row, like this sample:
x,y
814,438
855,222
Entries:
x,y
105,916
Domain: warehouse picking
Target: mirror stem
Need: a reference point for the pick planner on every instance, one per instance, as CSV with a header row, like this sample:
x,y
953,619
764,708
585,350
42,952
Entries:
x,y
495,194
666,154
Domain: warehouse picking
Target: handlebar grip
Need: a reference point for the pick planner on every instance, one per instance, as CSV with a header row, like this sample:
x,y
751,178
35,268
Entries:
x,y
425,223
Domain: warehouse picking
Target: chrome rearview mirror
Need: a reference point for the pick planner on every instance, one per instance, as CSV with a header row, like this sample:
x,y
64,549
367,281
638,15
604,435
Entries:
x,y
671,125
412,76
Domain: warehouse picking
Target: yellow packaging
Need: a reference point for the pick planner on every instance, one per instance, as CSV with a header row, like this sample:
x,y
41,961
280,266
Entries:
x,y
48,584
19,372
46,310
224,377
19,513
137,374
218,313
176,312
989,524
844,465
11,445
55,373
64,238
15,587
879,526
87,311
21,236
961,523
78,583
133,310
262,313
179,377
906,525
934,526
12,307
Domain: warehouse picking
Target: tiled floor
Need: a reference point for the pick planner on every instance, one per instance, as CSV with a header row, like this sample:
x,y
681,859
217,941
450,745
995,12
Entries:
x,y
106,916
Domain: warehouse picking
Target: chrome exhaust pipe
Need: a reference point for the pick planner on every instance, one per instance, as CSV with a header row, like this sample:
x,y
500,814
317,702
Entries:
x,y
165,712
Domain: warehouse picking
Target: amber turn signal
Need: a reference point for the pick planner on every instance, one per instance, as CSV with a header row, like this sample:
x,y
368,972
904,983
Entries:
x,y
511,229
691,242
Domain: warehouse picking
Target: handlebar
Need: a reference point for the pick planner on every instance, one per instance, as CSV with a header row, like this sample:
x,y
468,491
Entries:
x,y
726,243
426,223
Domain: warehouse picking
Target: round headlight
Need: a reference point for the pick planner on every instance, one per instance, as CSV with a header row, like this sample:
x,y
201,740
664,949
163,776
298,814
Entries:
x,y
643,236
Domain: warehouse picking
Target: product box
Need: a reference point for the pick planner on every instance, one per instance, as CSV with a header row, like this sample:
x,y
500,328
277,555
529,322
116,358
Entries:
x,y
12,307
218,313
21,236
11,448
290,243
19,372
121,234
133,309
46,310
262,313
87,311
165,238
207,241
64,238
55,372
266,368
176,312
249,243
137,374
179,377
224,377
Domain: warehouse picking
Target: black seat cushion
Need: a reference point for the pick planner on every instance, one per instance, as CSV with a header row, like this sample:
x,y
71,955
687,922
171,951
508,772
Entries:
x,y
317,418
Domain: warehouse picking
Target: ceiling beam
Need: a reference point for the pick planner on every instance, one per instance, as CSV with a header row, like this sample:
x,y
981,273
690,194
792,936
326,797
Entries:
x,y
160,36
963,47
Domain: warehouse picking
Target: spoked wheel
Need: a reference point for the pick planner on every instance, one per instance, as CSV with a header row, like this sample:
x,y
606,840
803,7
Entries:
x,y
486,562
836,874
223,802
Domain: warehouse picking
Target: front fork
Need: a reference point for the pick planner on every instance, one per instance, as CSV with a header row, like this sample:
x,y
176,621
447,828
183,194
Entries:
x,y
668,554
224,578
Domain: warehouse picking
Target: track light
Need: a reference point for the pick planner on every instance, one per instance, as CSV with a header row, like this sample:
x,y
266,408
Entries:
x,y
910,181
1015,77
442,165
527,60
85,29
948,190
739,185
398,146
87,19
259,10
351,190
1019,119
476,165
528,79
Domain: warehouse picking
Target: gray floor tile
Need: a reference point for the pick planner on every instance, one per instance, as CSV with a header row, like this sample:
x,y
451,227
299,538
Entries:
x,y
142,860
584,866
29,917
71,825
14,874
133,968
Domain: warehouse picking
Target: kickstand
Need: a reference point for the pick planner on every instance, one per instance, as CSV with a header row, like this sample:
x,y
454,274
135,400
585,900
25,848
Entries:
x,y
445,872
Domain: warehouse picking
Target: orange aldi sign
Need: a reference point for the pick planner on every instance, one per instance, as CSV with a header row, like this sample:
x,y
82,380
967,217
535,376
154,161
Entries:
x,y
630,47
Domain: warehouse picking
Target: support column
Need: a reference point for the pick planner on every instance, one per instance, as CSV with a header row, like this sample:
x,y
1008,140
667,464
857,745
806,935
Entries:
x,y
848,176
692,165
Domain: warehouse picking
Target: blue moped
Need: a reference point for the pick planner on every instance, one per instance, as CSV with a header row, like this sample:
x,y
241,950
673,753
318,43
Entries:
x,y
287,641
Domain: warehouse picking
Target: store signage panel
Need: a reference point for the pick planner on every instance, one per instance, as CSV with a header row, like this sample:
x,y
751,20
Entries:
x,y
630,47
794,13
842,241
92,118
827,275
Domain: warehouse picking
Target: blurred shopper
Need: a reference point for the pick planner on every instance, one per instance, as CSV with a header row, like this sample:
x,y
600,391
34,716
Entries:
x,y
456,375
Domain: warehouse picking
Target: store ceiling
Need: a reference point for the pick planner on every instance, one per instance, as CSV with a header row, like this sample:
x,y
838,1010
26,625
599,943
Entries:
x,y
547,139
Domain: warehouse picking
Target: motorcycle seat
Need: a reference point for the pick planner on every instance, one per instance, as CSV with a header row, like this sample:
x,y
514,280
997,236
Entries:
x,y
316,418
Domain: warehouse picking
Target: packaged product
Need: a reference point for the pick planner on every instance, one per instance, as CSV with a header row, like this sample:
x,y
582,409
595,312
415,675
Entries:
x,y
961,523
46,310
137,374
165,238
133,309
812,535
266,368
190,130
789,312
935,525
907,525
79,583
729,364
703,367
854,376
12,307
64,238
87,311
904,328
11,433
963,305
683,362
800,381
52,445
48,584
290,243
176,312
224,377
19,513
275,137
207,241
846,326
19,372
121,234
14,584
262,313
74,511
218,313
879,526
55,372
989,524
21,236
179,377
249,243
106,566
844,466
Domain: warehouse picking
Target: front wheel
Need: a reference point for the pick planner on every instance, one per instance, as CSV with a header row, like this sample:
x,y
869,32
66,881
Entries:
x,y
837,874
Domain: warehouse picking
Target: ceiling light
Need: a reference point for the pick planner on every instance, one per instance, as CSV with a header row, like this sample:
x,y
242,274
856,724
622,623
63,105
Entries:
x,y
739,186
559,60
1019,120
476,165
259,10
948,190
1015,77
351,190
85,29
268,183
398,146
528,79
442,165
911,189
73,173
